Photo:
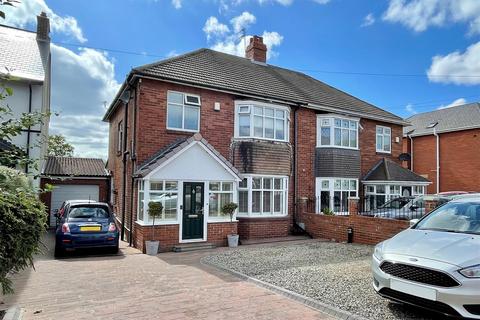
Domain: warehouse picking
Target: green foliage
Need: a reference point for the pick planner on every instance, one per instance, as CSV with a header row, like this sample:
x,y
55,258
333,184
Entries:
x,y
328,212
22,222
155,210
59,147
6,3
229,209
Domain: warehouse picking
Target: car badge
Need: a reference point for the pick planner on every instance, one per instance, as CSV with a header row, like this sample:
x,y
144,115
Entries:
x,y
413,259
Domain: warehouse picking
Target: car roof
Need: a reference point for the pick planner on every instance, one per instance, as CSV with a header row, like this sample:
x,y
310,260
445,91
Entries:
x,y
467,197
84,202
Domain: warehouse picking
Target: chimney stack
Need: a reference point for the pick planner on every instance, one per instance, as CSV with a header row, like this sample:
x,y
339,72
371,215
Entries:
x,y
43,27
256,50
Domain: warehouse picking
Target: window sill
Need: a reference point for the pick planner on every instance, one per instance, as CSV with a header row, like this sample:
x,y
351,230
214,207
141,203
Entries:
x,y
383,152
337,147
182,130
220,220
253,216
259,139
160,223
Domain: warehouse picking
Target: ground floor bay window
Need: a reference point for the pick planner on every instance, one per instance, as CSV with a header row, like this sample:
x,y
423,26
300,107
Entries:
x,y
333,194
378,194
262,196
163,191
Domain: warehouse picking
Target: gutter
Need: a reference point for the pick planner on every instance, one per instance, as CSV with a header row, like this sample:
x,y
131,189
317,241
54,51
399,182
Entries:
x,y
411,151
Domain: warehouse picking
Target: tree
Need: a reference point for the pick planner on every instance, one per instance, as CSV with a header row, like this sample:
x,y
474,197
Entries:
x,y
59,147
6,3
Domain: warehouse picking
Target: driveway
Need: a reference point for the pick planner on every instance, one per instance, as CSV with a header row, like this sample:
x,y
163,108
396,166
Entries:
x,y
132,285
335,274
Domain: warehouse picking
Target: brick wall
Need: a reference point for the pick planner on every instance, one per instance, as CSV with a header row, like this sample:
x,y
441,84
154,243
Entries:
x,y
459,169
262,228
168,235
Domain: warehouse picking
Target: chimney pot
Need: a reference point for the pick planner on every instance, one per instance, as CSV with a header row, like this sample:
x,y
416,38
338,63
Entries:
x,y
256,50
43,27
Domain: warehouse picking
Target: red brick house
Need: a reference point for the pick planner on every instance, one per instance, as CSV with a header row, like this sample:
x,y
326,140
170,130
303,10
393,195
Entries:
x,y
444,147
206,128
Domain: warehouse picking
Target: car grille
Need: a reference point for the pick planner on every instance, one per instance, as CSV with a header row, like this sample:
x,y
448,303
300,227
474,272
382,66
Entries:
x,y
418,274
434,306
473,308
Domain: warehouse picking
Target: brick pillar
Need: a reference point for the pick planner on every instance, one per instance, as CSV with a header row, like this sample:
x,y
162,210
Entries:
x,y
353,204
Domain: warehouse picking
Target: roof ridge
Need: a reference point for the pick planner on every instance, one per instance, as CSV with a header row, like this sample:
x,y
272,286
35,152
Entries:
x,y
387,172
16,28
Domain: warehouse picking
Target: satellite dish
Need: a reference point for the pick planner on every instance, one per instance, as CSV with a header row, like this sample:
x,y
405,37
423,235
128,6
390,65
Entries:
x,y
404,157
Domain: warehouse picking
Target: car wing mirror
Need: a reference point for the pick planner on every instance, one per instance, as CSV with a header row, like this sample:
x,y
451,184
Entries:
x,y
413,222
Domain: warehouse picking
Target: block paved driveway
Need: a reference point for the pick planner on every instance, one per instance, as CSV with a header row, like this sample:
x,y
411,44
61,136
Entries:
x,y
132,285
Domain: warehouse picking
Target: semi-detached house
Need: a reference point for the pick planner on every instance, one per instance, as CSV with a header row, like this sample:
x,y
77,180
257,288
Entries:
x,y
205,128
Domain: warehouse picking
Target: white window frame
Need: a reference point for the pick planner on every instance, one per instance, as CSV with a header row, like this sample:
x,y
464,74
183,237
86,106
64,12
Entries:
x,y
249,188
184,105
383,135
331,124
220,216
251,107
332,189
146,199
390,190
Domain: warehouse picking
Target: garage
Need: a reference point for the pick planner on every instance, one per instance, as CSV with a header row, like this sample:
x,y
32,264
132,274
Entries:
x,y
73,179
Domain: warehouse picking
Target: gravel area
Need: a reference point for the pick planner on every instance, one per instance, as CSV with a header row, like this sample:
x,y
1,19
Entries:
x,y
333,273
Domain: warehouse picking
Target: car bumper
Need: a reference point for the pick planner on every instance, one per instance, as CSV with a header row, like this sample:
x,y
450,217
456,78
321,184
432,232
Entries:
x,y
87,240
449,301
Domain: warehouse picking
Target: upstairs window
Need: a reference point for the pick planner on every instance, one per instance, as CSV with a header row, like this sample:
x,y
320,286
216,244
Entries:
x,y
120,137
183,111
384,138
337,132
255,120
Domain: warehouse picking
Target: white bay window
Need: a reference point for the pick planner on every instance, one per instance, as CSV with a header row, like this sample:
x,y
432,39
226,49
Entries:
x,y
260,120
263,196
162,191
333,131
220,193
333,194
378,194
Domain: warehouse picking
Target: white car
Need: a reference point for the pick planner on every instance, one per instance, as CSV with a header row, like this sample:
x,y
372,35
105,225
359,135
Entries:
x,y
435,264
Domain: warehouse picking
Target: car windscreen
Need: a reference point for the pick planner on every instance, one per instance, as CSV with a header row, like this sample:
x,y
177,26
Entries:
x,y
459,217
88,212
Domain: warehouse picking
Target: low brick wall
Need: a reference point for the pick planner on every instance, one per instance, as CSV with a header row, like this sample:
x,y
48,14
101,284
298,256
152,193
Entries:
x,y
366,230
262,228
168,235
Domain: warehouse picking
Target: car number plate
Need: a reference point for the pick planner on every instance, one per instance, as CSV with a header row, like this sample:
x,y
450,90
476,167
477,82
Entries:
x,y
90,228
413,289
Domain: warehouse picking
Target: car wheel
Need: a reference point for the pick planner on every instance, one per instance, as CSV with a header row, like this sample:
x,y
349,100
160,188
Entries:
x,y
59,252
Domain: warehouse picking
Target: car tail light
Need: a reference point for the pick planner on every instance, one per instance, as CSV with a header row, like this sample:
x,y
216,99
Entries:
x,y
112,227
65,228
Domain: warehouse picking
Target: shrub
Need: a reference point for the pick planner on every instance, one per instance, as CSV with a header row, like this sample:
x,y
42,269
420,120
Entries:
x,y
22,222
229,208
328,212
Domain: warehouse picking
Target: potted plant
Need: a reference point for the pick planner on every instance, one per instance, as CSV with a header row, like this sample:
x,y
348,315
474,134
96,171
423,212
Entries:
x,y
229,208
155,211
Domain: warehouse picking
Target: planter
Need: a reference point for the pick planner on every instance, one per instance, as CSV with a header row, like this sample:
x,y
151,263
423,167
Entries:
x,y
151,247
232,240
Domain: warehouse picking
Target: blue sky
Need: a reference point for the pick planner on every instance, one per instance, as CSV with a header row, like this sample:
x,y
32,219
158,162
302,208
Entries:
x,y
341,42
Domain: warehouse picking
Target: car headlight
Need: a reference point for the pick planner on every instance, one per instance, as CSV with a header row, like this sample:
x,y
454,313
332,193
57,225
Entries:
x,y
378,252
471,272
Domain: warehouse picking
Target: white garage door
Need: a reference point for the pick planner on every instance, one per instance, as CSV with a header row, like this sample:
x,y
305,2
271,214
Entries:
x,y
61,193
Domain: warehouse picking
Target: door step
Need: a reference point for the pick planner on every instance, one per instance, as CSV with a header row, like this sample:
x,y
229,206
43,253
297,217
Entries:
x,y
185,247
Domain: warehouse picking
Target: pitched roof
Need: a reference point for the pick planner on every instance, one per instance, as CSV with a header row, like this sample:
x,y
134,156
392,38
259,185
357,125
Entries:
x,y
450,119
74,167
171,149
216,70
22,56
387,170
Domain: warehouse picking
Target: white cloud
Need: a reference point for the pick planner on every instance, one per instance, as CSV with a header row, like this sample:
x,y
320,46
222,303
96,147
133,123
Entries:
x,y
410,109
25,13
368,20
462,68
177,4
419,15
230,42
242,21
321,1
455,103
214,28
81,83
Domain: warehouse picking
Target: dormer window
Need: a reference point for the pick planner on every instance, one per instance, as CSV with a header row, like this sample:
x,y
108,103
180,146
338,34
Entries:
x,y
183,111
261,121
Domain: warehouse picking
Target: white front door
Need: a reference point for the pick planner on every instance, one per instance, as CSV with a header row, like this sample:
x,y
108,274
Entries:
x,y
62,193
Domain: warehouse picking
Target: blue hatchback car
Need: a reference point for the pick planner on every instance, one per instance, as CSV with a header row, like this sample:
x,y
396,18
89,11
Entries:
x,y
85,224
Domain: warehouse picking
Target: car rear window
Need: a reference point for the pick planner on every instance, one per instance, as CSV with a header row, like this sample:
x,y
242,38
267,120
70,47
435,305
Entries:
x,y
89,212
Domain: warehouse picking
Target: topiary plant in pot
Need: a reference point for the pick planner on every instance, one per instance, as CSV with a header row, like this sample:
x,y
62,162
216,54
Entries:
x,y
155,210
229,209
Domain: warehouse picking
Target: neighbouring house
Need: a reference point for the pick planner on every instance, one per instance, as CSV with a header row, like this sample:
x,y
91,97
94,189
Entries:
x,y
206,128
73,179
25,66
444,147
